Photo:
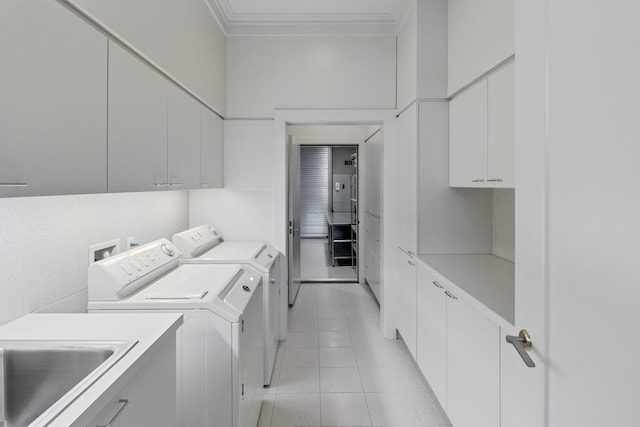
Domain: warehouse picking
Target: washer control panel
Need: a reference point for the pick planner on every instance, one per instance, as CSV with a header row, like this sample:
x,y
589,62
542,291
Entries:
x,y
196,240
116,277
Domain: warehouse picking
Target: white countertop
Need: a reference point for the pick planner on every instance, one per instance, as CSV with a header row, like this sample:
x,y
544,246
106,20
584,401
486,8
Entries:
x,y
150,330
485,281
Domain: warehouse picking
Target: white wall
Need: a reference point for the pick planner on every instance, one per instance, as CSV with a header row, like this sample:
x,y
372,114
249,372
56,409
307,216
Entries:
x,y
422,53
243,209
265,73
44,243
407,58
481,34
182,37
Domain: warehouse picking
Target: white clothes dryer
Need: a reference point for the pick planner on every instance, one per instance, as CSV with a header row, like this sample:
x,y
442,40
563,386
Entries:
x,y
205,245
220,345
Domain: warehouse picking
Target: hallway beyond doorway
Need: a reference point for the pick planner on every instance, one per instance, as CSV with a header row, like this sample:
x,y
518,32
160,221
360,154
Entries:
x,y
316,263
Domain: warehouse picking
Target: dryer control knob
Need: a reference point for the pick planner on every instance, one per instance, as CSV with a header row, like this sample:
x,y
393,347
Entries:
x,y
167,250
246,288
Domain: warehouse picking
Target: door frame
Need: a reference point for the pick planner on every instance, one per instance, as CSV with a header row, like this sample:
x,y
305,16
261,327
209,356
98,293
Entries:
x,y
383,118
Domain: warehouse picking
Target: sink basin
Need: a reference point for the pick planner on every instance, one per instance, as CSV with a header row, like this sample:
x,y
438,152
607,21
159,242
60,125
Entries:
x,y
39,379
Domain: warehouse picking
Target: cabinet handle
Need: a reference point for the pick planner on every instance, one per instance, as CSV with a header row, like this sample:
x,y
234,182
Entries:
x,y
411,253
175,184
161,184
411,263
204,185
450,295
13,184
477,180
124,403
438,285
522,343
495,180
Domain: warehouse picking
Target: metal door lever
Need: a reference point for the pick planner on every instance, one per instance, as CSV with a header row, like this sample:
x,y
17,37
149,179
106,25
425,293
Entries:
x,y
522,343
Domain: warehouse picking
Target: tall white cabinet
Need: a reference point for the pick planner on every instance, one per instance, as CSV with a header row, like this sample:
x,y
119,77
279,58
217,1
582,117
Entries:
x,y
53,101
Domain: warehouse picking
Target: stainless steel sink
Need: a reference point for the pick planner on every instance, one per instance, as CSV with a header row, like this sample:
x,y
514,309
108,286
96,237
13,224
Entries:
x,y
39,379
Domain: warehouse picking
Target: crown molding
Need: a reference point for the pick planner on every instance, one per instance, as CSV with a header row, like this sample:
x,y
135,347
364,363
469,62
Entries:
x,y
274,24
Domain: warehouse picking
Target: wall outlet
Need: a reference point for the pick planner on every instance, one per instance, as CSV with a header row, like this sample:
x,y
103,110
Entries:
x,y
131,242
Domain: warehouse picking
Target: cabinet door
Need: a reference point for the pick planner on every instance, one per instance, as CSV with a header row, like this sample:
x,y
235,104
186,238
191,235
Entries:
x,y
53,101
183,139
473,367
407,179
468,137
137,124
149,398
501,128
432,333
212,150
407,300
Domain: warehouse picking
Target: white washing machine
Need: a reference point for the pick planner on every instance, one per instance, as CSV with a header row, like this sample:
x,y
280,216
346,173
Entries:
x,y
220,345
205,245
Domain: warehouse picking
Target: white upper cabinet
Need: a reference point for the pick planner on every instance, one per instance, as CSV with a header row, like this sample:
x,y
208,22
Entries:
x,y
183,139
481,130
468,137
501,128
211,150
137,124
53,106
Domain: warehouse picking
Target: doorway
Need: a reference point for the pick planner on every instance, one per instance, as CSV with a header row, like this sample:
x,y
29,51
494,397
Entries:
x,y
328,213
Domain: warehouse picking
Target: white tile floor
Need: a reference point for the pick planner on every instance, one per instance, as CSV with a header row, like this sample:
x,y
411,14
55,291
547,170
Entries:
x,y
315,263
336,369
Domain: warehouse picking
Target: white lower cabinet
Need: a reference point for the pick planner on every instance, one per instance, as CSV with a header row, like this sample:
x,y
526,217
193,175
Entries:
x,y
432,333
458,352
407,300
473,366
149,398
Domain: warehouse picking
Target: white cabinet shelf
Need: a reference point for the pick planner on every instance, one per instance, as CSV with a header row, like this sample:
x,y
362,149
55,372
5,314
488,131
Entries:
x,y
482,133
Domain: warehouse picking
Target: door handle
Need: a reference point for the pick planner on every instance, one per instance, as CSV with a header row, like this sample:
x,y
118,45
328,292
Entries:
x,y
522,343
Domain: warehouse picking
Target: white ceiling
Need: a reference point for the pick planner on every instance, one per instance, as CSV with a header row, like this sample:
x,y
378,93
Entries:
x,y
278,17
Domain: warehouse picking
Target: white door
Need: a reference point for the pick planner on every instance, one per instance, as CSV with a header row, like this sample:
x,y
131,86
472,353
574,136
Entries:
x,y
578,205
293,252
